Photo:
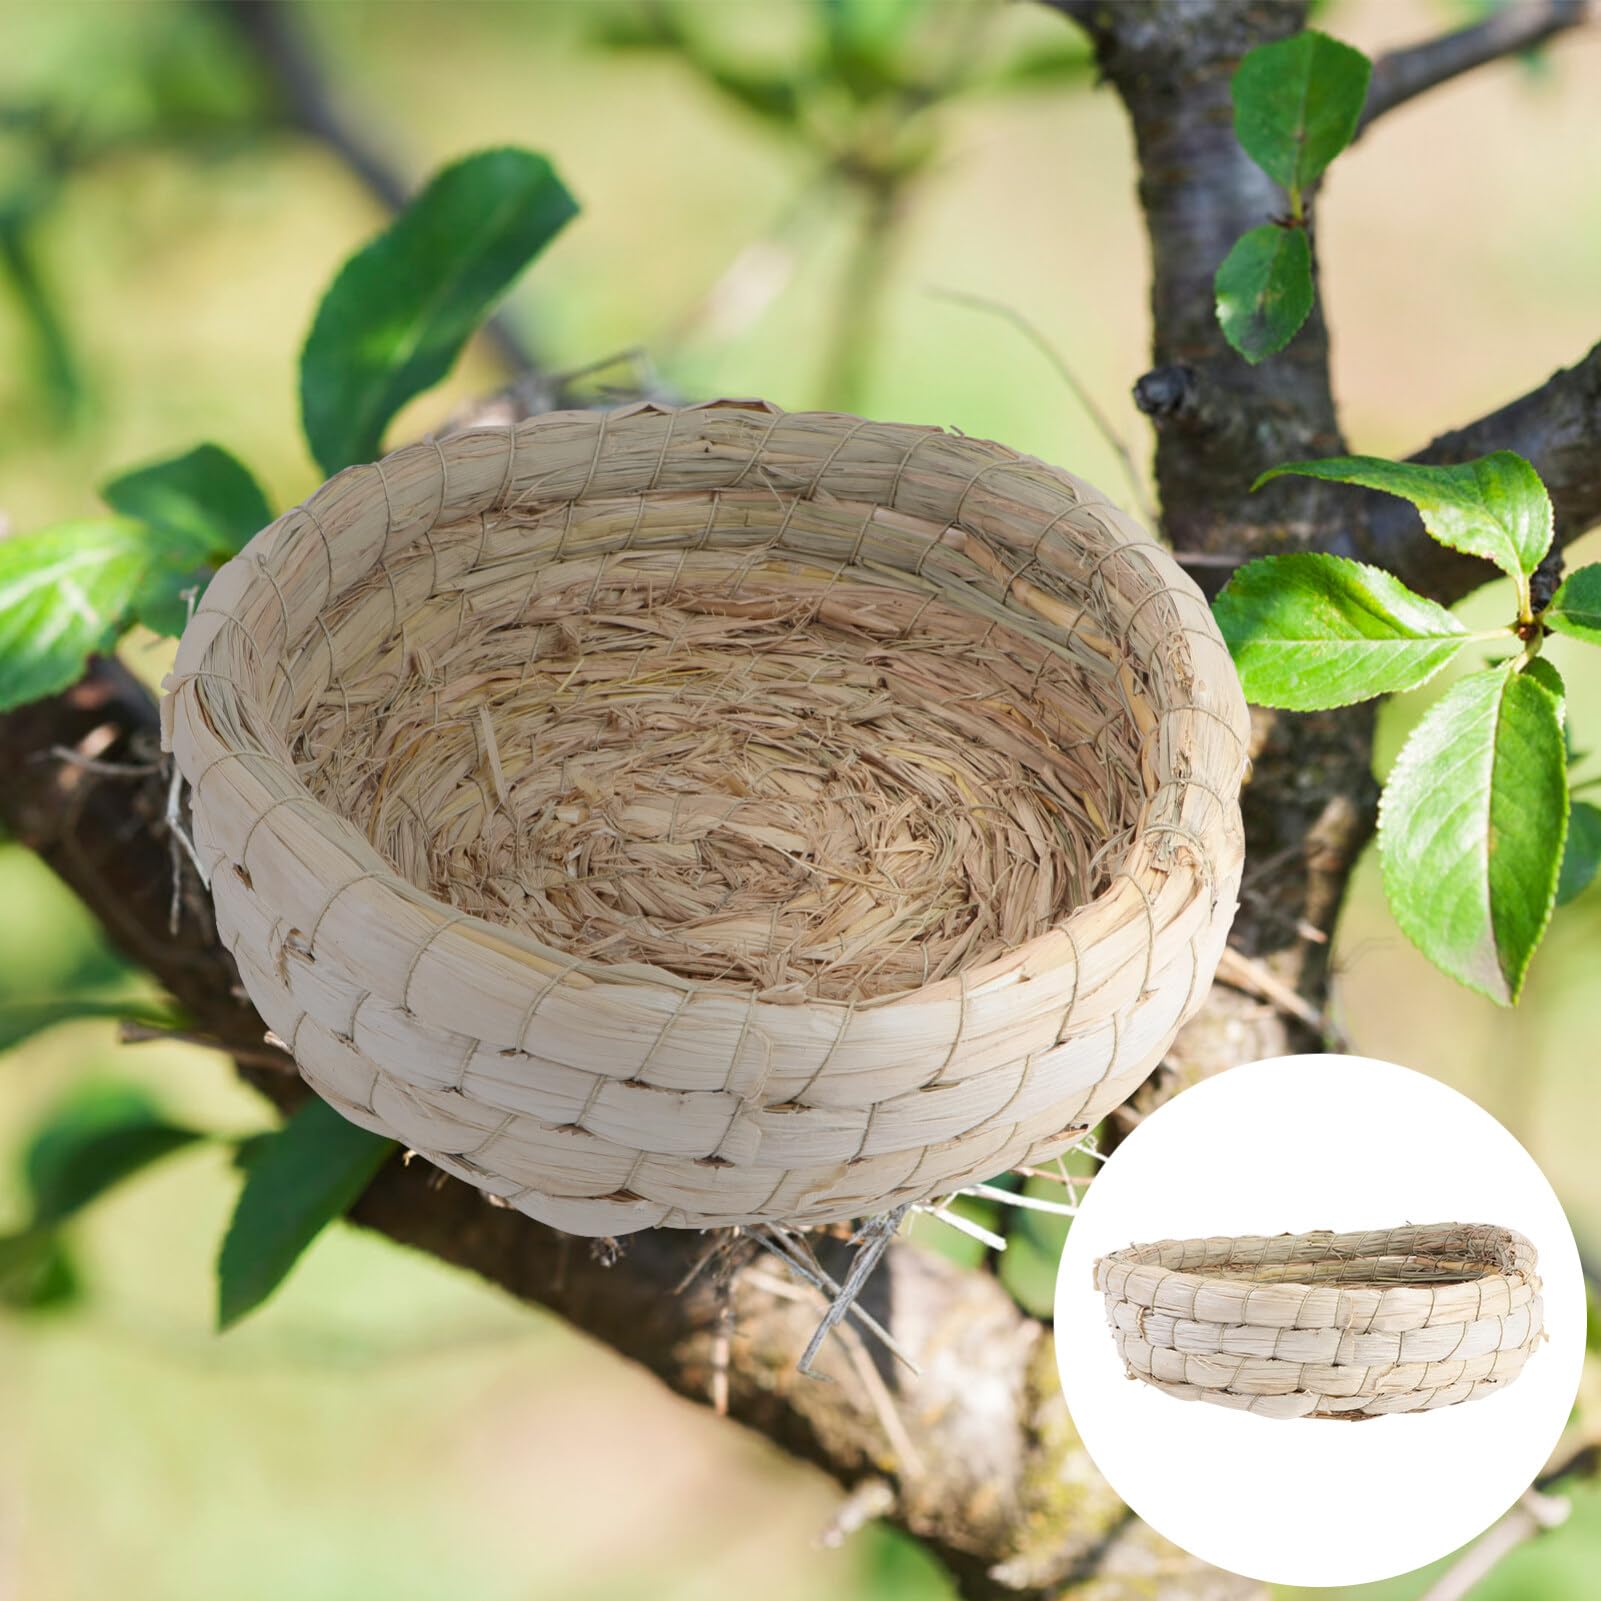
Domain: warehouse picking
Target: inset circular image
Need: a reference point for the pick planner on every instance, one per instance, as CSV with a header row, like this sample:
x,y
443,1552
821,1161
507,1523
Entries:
x,y
1295,1248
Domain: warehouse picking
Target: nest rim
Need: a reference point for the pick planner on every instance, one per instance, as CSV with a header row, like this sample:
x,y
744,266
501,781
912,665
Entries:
x,y
1328,1325
1144,894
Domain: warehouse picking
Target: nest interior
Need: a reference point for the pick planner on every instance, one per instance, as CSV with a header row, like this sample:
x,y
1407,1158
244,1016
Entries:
x,y
707,816
813,776
1460,1254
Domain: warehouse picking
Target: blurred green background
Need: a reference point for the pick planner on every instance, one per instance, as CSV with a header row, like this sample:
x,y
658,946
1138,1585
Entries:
x,y
386,1426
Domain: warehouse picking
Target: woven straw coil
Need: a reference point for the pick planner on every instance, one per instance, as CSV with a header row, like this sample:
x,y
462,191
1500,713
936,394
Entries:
x,y
1327,1325
707,816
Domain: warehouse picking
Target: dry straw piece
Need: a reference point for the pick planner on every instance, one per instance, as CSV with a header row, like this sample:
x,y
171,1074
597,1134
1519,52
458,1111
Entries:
x,y
1327,1325
718,815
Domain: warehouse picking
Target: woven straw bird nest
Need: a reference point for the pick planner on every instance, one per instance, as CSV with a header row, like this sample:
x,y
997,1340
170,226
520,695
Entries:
x,y
1327,1325
709,816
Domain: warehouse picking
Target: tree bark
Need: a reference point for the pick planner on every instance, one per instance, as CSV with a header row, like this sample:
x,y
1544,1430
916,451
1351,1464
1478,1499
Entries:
x,y
1220,422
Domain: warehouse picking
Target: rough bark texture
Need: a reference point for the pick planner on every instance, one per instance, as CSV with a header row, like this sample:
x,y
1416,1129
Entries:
x,y
977,1456
1219,423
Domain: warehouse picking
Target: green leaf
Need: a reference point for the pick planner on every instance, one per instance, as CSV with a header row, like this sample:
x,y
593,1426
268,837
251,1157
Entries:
x,y
1296,104
55,360
296,1183
37,1272
1050,64
1471,829
1310,631
206,499
1495,507
68,592
1545,674
1576,607
99,1136
1264,290
394,320
1582,855
1034,1245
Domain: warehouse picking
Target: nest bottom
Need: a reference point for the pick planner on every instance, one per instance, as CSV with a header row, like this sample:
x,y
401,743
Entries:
x,y
807,779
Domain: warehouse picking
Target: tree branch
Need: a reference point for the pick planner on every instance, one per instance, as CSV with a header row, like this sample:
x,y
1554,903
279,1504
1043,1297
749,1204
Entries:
x,y
275,42
1535,1511
1557,426
977,1449
1402,75
1531,1514
1219,423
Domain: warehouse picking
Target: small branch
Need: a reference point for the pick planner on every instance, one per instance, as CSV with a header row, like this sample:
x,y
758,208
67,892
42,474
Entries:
x,y
1244,973
1557,426
847,361
267,1057
1532,1514
1176,397
1577,1453
871,1499
1402,75
1143,505
276,43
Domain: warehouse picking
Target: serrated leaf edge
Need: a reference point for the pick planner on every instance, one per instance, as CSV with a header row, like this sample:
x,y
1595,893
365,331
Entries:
x,y
1368,570
1381,835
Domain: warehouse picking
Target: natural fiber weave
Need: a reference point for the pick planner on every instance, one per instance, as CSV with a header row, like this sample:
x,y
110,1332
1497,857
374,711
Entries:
x,y
1327,1325
710,816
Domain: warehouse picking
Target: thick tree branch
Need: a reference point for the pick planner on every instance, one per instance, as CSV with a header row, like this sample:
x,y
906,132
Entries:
x,y
1404,74
1557,426
977,1449
1219,423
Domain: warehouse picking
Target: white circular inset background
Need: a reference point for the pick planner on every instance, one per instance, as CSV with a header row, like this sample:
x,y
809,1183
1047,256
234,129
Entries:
x,y
1287,1146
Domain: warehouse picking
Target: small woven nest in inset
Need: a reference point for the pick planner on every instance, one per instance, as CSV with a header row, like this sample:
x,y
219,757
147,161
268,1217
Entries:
x,y
714,816
1327,1325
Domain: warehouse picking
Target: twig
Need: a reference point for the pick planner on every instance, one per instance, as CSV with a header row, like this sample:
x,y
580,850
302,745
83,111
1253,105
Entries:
x,y
90,764
750,283
1532,1514
965,1225
1556,425
1210,558
176,830
848,355
909,1460
796,1255
276,42
131,1032
870,1499
1102,423
873,1386
1026,1203
1239,970
872,1240
1578,1452
1402,75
